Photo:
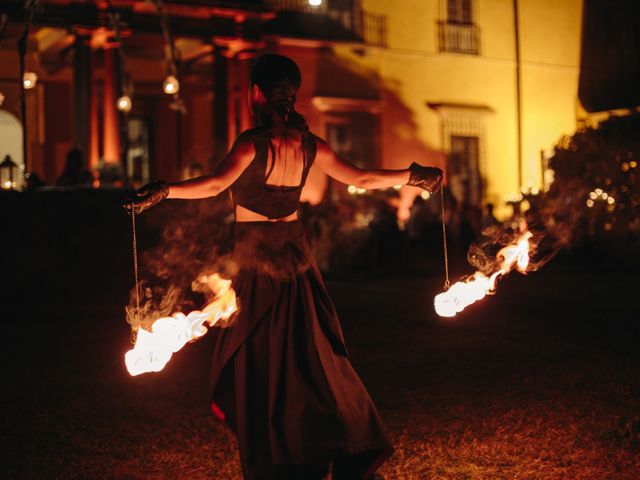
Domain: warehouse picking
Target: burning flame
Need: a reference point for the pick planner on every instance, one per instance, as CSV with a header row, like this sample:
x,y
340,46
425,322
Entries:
x,y
462,294
153,349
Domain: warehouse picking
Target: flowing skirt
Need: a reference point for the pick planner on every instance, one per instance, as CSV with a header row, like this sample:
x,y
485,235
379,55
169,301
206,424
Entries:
x,y
281,376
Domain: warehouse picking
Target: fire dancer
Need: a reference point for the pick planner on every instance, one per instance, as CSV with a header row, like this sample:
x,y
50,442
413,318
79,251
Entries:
x,y
281,375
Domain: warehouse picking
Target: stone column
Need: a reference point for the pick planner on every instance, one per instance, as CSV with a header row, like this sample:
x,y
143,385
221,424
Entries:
x,y
94,134
221,104
82,71
110,127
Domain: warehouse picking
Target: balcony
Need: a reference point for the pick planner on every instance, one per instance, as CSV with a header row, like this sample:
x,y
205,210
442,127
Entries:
x,y
459,37
333,20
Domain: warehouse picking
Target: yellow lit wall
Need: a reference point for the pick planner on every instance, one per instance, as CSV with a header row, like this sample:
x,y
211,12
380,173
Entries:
x,y
413,72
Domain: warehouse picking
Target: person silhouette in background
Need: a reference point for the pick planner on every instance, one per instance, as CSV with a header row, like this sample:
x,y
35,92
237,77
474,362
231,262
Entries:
x,y
74,172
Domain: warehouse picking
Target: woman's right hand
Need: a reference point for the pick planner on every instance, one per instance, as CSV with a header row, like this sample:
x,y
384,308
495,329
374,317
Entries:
x,y
146,197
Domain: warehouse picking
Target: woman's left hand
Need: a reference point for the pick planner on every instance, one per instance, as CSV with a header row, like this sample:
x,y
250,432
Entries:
x,y
147,196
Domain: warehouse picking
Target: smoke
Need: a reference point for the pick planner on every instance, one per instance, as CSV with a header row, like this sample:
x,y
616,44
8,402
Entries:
x,y
180,242
555,221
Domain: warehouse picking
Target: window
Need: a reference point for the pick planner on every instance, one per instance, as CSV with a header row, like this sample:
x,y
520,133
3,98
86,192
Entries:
x,y
138,154
354,136
459,11
458,33
464,139
463,170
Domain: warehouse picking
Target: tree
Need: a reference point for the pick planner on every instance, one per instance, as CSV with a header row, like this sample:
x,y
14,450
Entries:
x,y
596,182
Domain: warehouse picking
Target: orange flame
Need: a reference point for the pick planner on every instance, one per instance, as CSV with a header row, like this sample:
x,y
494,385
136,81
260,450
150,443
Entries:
x,y
153,349
462,294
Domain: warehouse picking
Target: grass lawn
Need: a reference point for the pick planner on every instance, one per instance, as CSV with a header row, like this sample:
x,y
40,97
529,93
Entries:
x,y
540,382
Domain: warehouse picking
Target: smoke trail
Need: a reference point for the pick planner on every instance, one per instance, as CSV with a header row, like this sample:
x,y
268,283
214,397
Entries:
x,y
193,238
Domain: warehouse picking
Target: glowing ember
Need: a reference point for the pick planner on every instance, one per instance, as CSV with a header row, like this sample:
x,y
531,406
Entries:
x,y
153,349
462,294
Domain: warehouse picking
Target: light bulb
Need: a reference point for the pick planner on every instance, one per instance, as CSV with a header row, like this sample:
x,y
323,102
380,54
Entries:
x,y
315,3
29,80
170,85
124,103
1,98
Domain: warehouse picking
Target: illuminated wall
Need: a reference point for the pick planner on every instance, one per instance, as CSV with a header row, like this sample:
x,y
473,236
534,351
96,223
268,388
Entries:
x,y
422,95
477,90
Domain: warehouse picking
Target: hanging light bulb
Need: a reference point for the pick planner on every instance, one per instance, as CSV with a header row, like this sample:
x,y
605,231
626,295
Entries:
x,y
1,98
315,3
170,85
29,80
124,103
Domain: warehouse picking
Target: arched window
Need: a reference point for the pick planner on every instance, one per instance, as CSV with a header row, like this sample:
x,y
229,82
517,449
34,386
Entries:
x,y
11,142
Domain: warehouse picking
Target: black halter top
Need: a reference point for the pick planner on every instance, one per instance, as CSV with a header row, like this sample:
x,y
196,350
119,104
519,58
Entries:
x,y
251,189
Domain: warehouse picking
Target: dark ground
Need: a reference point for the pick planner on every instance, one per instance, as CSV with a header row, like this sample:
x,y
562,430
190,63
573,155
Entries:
x,y
540,382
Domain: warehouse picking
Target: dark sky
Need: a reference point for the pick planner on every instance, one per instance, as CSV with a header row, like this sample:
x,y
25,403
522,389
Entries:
x,y
610,73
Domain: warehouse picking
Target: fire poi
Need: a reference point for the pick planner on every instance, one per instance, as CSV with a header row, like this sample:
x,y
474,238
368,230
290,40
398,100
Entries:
x,y
461,294
154,348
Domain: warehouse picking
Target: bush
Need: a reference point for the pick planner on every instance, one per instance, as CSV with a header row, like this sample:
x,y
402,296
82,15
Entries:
x,y
595,193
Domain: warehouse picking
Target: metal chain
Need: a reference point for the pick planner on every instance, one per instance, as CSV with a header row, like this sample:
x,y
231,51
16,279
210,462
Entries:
x,y
135,270
447,284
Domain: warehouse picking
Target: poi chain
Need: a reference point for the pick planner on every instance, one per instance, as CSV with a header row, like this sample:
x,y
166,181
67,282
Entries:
x,y
447,284
135,268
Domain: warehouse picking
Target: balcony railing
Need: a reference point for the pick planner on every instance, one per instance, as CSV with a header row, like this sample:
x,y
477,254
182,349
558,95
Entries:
x,y
374,29
459,37
371,29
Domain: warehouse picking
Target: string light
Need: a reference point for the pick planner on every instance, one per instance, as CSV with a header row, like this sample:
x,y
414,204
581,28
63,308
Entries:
x,y
352,189
513,198
599,194
124,103
425,195
29,80
171,85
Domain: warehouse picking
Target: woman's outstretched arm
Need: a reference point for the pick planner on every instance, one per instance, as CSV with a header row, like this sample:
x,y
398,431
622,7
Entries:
x,y
427,178
238,158
343,171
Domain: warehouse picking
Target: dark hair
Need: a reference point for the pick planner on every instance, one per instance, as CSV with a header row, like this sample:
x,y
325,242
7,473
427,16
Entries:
x,y
279,78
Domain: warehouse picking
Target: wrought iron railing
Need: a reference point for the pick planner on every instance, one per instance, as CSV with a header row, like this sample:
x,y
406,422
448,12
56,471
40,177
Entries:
x,y
458,37
371,29
374,29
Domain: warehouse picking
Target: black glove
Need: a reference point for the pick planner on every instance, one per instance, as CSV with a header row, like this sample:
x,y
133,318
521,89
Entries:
x,y
427,178
147,196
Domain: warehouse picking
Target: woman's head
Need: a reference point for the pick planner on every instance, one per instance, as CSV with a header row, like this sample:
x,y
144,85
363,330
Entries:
x,y
275,80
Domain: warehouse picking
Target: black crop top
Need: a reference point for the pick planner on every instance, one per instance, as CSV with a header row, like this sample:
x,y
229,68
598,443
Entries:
x,y
251,190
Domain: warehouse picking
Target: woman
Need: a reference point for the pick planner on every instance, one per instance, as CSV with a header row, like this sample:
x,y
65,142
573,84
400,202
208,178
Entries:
x,y
281,375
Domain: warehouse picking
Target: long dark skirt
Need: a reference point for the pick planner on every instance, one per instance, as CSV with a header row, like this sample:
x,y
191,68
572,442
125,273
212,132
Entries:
x,y
281,375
